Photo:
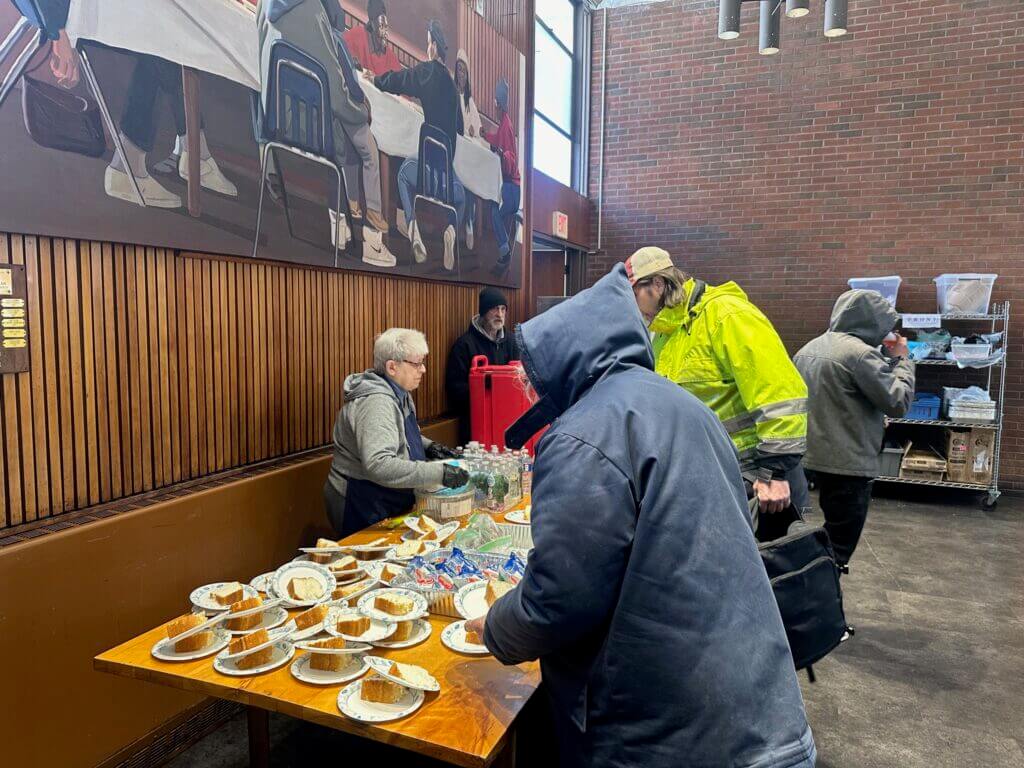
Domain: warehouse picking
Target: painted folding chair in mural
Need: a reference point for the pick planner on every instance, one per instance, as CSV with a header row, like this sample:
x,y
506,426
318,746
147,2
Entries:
x,y
298,120
55,118
434,205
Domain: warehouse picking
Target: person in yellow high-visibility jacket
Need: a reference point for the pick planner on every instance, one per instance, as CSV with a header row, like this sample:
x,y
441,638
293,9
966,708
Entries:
x,y
712,341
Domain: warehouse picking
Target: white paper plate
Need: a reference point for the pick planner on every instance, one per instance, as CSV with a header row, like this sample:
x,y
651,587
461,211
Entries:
x,y
200,596
454,636
371,584
210,623
164,649
445,531
262,582
276,636
379,630
392,554
365,604
469,600
352,648
381,666
303,570
375,568
518,516
308,632
272,618
350,548
283,652
420,633
322,550
301,670
347,577
265,605
351,704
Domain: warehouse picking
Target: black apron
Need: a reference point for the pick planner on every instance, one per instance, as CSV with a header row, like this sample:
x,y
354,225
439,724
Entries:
x,y
366,502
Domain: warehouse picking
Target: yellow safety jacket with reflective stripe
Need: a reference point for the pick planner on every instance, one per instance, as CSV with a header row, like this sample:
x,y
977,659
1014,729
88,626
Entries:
x,y
724,351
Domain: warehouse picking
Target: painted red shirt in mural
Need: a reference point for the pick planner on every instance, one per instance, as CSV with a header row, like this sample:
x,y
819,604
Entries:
x,y
358,41
504,140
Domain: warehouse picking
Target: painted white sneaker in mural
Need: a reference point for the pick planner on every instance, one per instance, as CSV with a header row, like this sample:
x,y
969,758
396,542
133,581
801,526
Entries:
x,y
419,250
210,175
375,252
449,248
117,184
469,234
340,231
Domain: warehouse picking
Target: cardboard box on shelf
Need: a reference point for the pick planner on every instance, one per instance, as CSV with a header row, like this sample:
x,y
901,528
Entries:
x,y
923,465
958,447
981,456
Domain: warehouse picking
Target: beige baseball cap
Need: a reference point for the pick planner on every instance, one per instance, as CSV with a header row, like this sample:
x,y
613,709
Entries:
x,y
646,262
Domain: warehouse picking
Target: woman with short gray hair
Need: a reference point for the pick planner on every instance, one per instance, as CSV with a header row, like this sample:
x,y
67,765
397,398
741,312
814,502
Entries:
x,y
380,457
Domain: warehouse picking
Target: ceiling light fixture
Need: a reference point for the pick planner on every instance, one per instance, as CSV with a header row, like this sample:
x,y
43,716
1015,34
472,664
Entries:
x,y
771,27
797,8
835,18
729,19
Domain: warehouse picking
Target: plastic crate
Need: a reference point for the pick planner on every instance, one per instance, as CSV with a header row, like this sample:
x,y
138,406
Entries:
x,y
972,411
925,406
966,293
891,460
888,286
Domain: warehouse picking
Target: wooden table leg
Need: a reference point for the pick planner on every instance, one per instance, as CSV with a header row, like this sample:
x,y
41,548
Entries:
x,y
387,190
258,721
190,88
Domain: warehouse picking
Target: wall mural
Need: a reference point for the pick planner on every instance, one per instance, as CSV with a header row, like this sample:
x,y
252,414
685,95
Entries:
x,y
381,136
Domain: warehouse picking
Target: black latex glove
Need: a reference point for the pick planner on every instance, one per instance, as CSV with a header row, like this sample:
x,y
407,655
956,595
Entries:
x,y
437,451
454,477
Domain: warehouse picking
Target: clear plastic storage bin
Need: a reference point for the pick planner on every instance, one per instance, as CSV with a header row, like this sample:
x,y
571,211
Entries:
x,y
888,286
965,293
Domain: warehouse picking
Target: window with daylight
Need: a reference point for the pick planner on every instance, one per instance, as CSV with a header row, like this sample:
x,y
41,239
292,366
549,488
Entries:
x,y
558,75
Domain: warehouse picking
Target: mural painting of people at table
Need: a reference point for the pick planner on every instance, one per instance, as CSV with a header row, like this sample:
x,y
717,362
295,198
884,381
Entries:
x,y
104,116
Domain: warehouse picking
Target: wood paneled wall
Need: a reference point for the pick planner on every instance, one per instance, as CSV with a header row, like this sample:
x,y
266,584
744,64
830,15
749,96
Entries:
x,y
513,20
149,367
490,58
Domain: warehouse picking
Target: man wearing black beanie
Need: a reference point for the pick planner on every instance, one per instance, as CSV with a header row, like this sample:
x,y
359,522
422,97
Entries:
x,y
485,336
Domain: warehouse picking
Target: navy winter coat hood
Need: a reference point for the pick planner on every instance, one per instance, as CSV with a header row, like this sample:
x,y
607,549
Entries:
x,y
644,597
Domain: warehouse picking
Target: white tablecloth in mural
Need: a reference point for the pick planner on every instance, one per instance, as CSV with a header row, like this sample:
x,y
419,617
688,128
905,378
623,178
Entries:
x,y
219,36
396,127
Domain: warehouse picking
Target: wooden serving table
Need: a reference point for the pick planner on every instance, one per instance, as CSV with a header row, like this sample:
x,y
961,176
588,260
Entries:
x,y
469,723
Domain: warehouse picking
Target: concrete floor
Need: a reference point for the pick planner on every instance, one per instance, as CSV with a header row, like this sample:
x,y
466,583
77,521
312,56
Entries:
x,y
933,678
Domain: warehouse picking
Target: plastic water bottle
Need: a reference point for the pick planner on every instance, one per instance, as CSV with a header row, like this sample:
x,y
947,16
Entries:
x,y
526,478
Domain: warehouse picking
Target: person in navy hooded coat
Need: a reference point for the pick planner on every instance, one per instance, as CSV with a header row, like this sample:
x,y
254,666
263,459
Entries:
x,y
645,598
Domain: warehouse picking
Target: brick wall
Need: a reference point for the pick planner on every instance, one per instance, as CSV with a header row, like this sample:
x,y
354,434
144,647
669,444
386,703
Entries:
x,y
898,149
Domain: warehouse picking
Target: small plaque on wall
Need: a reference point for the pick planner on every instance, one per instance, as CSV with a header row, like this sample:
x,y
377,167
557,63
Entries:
x,y
13,319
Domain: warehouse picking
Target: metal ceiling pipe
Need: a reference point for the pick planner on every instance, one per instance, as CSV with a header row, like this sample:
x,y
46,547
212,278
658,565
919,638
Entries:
x,y
729,19
795,9
771,27
835,18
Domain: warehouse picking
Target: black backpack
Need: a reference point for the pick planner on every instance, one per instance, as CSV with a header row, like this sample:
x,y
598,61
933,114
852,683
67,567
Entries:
x,y
805,579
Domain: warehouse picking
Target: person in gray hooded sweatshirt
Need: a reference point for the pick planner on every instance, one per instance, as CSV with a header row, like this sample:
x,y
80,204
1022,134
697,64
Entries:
x,y
855,376
380,457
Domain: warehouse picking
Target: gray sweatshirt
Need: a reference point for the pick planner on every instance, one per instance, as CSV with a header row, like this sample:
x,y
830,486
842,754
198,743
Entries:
x,y
852,386
369,438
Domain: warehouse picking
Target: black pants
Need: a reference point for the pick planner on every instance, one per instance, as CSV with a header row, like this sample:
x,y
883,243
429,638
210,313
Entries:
x,y
334,505
844,500
151,76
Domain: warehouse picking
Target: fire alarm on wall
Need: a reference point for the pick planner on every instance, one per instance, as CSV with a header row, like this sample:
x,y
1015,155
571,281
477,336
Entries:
x,y
560,225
